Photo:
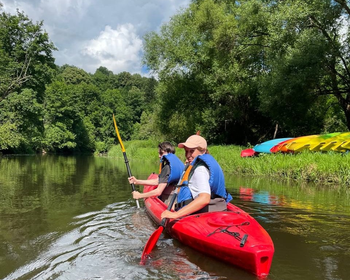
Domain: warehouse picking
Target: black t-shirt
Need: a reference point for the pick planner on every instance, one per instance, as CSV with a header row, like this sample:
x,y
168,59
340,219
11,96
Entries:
x,y
164,174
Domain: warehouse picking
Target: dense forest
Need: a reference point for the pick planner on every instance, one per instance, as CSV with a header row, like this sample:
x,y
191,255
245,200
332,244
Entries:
x,y
238,71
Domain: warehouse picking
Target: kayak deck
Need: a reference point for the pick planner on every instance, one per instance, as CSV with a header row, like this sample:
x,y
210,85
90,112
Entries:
x,y
232,236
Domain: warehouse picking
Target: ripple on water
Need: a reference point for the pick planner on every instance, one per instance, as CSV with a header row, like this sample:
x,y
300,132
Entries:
x,y
108,244
102,244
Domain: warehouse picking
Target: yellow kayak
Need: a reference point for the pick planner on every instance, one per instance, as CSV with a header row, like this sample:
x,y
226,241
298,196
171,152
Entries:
x,y
300,143
343,147
324,142
336,145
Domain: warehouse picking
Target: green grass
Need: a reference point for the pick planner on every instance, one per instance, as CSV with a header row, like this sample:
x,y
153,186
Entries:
x,y
326,168
136,149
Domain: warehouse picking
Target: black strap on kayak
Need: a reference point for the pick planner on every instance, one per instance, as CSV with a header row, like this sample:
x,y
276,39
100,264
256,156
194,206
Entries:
x,y
243,240
233,233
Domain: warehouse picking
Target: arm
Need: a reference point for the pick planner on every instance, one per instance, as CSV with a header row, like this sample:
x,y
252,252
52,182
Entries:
x,y
151,182
200,189
201,200
161,181
156,192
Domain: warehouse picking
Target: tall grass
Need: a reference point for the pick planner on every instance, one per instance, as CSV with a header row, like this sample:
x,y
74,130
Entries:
x,y
136,149
330,168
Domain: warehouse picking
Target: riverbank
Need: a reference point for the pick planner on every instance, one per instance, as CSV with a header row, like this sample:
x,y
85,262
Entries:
x,y
325,168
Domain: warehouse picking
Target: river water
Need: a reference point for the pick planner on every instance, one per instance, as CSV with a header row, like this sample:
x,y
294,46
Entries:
x,y
73,218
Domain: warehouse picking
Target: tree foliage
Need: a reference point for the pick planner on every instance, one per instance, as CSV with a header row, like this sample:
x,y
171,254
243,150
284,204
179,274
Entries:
x,y
307,60
25,56
79,109
207,69
236,69
26,66
60,109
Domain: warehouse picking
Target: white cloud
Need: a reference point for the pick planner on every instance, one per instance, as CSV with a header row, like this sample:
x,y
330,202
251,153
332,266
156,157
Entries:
x,y
117,49
66,8
93,33
51,10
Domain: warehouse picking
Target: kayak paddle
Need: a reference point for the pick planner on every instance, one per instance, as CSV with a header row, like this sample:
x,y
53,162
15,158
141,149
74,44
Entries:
x,y
125,158
152,241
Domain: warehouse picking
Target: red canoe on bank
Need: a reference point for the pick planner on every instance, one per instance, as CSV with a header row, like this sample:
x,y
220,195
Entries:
x,y
232,236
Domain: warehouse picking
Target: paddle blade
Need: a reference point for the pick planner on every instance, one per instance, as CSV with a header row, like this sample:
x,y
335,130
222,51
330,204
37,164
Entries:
x,y
118,135
152,241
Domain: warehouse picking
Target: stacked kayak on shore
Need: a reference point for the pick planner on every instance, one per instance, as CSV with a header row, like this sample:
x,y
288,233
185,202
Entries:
x,y
232,236
337,141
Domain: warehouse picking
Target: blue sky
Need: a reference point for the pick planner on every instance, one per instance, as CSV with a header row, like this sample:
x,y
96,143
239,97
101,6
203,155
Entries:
x,y
94,33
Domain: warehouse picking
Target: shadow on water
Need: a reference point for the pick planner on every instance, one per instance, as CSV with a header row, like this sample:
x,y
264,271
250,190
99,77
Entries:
x,y
73,218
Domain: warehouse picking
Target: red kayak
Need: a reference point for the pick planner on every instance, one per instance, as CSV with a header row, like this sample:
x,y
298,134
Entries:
x,y
232,236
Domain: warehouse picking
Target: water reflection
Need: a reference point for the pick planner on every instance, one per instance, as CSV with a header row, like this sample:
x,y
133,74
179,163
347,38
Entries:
x,y
308,223
73,218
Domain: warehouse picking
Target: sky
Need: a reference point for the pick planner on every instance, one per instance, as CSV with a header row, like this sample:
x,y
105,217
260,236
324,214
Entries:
x,y
94,33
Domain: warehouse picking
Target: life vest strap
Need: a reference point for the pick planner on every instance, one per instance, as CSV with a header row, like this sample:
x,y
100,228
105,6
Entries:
x,y
213,196
184,180
182,204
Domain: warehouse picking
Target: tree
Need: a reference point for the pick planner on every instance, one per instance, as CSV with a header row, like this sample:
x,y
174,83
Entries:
x,y
226,67
21,122
113,102
26,65
104,79
306,58
147,128
59,115
207,71
72,113
74,75
26,55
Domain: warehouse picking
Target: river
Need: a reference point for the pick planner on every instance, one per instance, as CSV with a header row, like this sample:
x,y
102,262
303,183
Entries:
x,y
72,217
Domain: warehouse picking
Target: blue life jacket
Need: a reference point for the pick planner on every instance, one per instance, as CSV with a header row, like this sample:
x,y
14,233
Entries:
x,y
176,167
216,180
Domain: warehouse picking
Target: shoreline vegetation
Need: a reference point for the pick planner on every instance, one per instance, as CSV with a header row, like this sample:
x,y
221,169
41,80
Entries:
x,y
330,168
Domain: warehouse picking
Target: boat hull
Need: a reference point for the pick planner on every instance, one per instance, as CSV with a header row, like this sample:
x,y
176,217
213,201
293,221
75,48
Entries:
x,y
299,143
232,236
249,153
266,146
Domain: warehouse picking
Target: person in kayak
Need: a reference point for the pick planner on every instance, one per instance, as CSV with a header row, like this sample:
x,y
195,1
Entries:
x,y
170,171
203,185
